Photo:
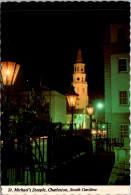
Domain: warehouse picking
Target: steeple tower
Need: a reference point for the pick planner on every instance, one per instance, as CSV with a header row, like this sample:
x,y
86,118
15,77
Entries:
x,y
79,82
79,57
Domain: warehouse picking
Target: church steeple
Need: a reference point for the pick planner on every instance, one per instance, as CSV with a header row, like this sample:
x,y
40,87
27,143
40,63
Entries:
x,y
79,57
79,82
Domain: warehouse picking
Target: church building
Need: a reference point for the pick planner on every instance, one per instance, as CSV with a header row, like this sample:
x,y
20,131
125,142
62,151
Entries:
x,y
81,119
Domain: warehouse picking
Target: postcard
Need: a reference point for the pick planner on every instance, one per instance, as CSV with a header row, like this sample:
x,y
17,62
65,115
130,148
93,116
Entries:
x,y
65,98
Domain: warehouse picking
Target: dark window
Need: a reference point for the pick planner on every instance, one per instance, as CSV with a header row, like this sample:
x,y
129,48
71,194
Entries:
x,y
78,68
121,34
123,98
78,79
123,65
82,69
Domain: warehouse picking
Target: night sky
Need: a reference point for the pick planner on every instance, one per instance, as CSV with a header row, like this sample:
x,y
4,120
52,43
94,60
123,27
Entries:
x,y
44,38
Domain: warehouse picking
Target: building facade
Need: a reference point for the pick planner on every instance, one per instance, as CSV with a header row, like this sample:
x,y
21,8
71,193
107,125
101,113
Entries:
x,y
54,102
116,80
57,105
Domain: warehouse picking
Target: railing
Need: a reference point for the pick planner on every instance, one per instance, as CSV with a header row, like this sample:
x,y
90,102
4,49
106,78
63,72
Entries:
x,y
108,144
31,159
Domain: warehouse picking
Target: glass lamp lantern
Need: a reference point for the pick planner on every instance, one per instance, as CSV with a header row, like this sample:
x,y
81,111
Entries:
x,y
90,110
9,71
72,100
72,97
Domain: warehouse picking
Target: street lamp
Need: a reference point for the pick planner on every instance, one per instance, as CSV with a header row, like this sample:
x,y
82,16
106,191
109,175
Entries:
x,y
90,111
9,71
99,105
71,98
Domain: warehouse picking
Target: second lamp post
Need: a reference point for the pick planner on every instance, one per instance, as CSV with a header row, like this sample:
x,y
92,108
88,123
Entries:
x,y
71,98
90,111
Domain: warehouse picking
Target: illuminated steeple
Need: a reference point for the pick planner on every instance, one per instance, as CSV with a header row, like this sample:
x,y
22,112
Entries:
x,y
79,57
79,82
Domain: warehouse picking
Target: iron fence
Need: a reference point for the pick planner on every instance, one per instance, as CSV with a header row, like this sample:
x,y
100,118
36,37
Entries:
x,y
29,160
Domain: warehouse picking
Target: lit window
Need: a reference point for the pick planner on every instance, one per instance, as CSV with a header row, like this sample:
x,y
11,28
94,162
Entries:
x,y
124,130
123,65
121,34
123,97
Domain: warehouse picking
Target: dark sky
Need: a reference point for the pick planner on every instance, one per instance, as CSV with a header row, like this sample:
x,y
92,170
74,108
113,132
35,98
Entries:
x,y
44,38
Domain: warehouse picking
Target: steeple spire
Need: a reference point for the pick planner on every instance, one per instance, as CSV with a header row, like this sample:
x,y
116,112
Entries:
x,y
79,57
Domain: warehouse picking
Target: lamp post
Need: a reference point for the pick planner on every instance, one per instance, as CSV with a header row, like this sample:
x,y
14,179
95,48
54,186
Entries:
x,y
71,98
90,111
9,71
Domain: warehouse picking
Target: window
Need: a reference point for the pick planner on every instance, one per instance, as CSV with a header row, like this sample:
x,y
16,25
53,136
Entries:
x,y
78,79
83,90
123,97
123,65
124,130
82,69
121,34
78,68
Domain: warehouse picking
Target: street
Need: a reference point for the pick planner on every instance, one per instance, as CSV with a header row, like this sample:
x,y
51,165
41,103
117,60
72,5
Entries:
x,y
85,170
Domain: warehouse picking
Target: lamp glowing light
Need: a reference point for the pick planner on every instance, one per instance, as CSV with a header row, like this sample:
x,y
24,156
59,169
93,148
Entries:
x,y
100,105
90,110
72,97
9,71
94,132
